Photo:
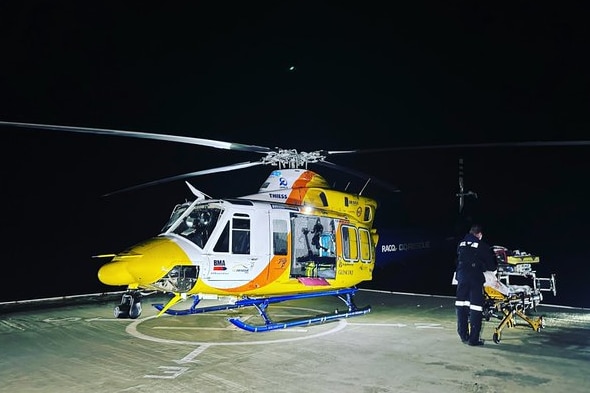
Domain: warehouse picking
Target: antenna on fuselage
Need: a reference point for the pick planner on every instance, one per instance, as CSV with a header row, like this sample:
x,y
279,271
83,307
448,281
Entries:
x,y
365,186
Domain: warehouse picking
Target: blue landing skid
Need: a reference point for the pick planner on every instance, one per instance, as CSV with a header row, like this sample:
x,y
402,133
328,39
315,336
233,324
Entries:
x,y
261,304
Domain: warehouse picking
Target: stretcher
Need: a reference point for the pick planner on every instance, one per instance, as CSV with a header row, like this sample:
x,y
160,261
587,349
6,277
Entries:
x,y
514,290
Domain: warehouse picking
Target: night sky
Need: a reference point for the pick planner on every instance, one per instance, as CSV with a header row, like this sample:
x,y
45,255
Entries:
x,y
304,75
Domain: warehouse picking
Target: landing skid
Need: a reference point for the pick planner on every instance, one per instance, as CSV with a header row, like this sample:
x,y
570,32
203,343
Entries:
x,y
261,304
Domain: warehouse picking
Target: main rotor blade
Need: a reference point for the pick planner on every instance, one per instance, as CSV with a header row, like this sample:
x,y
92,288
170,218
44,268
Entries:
x,y
469,145
144,135
359,174
187,175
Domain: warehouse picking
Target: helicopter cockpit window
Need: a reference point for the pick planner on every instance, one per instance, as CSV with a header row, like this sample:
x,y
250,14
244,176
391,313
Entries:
x,y
198,225
222,244
176,213
240,236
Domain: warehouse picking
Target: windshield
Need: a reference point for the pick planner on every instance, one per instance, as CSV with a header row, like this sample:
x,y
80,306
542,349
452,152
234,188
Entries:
x,y
197,223
176,213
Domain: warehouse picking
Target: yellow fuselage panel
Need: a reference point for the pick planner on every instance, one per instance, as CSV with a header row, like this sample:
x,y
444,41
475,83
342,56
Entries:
x,y
359,208
115,273
144,263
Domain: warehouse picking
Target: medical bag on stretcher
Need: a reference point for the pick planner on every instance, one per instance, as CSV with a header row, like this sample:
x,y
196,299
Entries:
x,y
514,261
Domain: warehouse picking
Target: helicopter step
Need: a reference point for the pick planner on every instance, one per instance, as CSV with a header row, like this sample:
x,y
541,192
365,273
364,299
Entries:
x,y
261,304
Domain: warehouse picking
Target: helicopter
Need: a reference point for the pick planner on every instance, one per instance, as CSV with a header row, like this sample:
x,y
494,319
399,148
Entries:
x,y
296,238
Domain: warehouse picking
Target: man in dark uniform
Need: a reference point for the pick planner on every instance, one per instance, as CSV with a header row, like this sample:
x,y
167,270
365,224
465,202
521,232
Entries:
x,y
473,258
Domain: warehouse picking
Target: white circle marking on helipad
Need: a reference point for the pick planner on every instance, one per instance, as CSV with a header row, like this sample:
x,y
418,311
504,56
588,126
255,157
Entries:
x,y
132,330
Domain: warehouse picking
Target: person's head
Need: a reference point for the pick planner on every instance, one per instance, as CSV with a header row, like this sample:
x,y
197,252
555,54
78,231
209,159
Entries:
x,y
476,230
203,218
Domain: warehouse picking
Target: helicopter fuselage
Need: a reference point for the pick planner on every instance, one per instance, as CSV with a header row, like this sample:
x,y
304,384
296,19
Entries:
x,y
279,241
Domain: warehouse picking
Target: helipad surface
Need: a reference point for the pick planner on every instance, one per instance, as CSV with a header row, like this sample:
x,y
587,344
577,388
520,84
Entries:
x,y
407,343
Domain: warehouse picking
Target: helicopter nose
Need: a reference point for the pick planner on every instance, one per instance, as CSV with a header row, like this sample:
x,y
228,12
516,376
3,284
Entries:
x,y
115,273
143,264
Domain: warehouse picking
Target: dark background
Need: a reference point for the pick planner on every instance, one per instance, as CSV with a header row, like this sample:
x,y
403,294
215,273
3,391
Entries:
x,y
365,76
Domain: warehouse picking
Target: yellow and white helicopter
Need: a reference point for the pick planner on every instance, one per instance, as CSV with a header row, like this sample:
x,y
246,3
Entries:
x,y
295,238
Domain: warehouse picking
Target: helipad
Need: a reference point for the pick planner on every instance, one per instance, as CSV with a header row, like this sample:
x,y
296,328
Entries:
x,y
407,343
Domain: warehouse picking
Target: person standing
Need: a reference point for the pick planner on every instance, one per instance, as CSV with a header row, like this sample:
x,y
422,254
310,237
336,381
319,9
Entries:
x,y
473,258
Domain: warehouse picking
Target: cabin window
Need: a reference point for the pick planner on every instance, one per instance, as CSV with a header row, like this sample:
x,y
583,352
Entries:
x,y
365,243
349,243
324,199
279,237
240,234
368,214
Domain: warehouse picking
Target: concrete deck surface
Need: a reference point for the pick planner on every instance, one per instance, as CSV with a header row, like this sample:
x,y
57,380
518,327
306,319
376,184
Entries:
x,y
407,343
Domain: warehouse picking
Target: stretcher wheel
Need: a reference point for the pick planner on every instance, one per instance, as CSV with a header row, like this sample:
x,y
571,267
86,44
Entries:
x,y
496,338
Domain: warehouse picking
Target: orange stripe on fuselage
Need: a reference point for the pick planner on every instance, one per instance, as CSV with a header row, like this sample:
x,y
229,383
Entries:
x,y
299,188
277,267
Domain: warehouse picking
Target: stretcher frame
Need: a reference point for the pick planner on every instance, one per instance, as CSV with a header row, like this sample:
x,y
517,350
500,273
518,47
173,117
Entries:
x,y
506,301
